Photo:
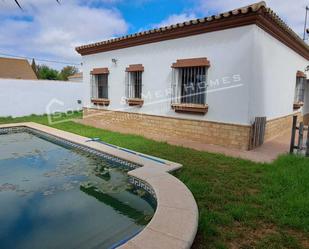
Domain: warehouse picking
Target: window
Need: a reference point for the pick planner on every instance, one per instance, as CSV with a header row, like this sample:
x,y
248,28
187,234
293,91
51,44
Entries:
x,y
193,85
134,84
190,85
100,86
101,82
299,97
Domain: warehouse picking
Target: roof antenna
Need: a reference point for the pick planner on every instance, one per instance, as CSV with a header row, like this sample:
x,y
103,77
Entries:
x,y
305,28
18,4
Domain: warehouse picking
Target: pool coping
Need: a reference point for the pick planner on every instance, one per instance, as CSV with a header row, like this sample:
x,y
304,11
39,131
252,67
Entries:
x,y
174,224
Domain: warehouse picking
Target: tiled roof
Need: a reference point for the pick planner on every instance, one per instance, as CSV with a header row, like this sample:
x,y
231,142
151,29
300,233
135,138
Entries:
x,y
253,8
16,69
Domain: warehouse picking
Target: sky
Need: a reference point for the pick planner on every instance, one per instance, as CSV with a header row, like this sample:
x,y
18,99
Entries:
x,y
45,29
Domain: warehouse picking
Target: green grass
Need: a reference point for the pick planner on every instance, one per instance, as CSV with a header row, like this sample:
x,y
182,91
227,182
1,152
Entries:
x,y
242,204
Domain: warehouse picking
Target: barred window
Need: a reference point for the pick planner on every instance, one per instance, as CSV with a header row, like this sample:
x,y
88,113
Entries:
x,y
189,81
193,85
99,83
134,81
300,90
190,85
100,86
134,85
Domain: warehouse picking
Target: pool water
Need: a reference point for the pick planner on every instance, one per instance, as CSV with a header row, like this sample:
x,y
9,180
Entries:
x,y
57,197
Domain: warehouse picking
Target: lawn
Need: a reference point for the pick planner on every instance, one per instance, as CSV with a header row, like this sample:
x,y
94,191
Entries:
x,y
242,204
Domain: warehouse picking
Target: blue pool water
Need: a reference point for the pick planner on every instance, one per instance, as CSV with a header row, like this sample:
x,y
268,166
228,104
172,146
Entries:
x,y
57,197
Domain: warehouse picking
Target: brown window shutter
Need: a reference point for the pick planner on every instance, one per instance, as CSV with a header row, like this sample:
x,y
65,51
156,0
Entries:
x,y
135,68
102,70
193,62
301,74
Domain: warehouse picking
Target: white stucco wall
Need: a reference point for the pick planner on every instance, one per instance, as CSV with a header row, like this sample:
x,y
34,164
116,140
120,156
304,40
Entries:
x,y
226,50
274,70
75,79
26,97
266,69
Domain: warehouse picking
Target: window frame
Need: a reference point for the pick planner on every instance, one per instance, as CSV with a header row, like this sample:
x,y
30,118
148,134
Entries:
x,y
100,79
300,87
194,69
134,85
188,77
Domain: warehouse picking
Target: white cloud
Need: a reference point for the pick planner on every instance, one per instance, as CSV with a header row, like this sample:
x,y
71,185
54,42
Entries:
x,y
291,11
47,29
173,19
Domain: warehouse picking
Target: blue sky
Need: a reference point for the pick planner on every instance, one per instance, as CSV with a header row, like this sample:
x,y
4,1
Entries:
x,y
142,15
45,29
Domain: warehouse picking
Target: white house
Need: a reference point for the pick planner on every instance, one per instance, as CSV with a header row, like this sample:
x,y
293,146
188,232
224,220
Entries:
x,y
204,80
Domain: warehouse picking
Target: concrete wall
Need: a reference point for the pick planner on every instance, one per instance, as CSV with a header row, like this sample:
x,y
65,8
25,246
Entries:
x,y
75,79
25,97
274,71
229,53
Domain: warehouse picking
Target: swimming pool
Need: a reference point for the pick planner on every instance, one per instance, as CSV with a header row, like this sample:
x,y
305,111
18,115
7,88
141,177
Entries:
x,y
55,194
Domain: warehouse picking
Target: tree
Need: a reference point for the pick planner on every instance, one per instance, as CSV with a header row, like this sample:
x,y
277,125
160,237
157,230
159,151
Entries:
x,y
34,67
46,73
67,71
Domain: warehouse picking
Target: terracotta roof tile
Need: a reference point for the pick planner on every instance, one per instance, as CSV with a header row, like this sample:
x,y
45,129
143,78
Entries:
x,y
16,69
256,7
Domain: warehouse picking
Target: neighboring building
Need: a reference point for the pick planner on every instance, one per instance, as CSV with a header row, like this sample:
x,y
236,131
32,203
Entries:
x,y
16,69
205,80
78,77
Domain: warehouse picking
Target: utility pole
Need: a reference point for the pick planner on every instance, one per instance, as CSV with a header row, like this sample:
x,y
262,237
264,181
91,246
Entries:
x,y
305,28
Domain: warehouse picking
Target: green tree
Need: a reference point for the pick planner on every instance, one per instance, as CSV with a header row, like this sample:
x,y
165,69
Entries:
x,y
67,71
34,67
46,73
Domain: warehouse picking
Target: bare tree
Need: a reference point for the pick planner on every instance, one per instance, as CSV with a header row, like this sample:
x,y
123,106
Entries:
x,y
18,4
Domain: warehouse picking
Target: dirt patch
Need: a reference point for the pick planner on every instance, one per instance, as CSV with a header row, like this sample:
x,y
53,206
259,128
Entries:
x,y
253,191
248,237
302,238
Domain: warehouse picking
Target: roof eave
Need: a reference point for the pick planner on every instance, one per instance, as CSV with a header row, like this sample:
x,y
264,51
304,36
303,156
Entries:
x,y
169,34
263,18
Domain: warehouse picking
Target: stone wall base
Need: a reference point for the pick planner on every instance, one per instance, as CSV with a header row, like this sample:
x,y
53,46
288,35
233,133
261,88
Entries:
x,y
279,126
166,128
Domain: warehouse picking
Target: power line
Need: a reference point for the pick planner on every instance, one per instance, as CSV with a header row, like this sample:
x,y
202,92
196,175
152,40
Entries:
x,y
38,59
